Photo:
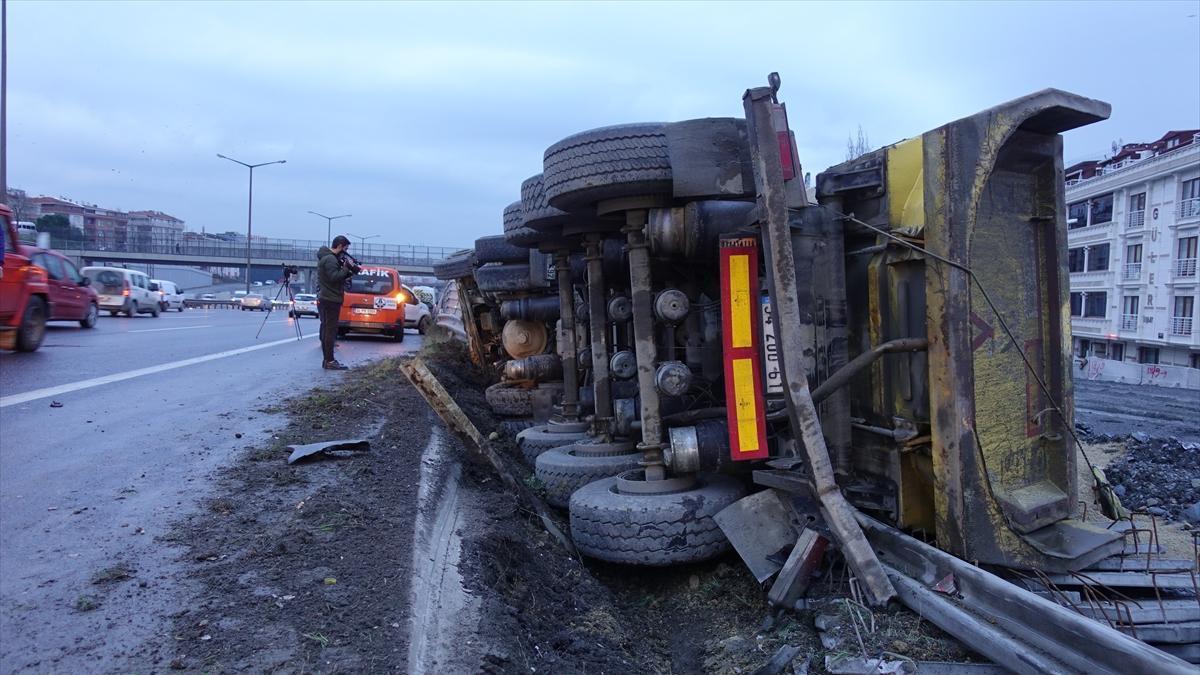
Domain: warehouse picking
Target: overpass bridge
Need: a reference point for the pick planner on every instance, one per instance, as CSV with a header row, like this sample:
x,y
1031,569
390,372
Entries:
x,y
266,255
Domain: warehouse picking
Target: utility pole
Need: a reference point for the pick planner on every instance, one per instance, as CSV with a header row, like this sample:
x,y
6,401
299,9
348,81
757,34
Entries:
x,y
250,206
4,101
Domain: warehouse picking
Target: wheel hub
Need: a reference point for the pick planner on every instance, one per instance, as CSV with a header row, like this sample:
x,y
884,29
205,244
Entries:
x,y
634,483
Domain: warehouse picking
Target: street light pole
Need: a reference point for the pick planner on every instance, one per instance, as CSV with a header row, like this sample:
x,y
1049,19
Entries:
x,y
363,240
250,206
328,220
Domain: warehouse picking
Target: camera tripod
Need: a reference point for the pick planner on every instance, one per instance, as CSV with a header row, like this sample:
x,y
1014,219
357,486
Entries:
x,y
285,286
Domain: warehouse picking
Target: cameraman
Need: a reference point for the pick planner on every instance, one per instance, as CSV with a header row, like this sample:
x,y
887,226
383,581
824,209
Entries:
x,y
333,269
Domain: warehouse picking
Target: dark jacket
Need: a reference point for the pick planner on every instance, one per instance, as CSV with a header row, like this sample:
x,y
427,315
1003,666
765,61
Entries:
x,y
331,275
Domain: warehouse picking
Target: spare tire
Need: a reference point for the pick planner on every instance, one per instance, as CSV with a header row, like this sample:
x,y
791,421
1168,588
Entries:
x,y
515,231
652,529
503,278
628,160
457,266
508,399
496,249
536,212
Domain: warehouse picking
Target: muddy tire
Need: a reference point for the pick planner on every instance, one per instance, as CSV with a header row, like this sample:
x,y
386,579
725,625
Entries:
x,y
494,249
456,266
564,470
515,231
629,160
32,330
537,439
423,325
506,278
506,399
652,530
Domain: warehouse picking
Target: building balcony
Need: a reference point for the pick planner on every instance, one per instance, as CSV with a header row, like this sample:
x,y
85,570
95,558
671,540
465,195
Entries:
x,y
1132,272
1184,268
1188,208
1129,321
1181,325
1135,220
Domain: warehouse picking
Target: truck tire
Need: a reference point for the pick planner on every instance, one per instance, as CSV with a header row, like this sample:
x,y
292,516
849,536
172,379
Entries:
x,y
653,530
513,427
536,212
503,278
628,160
538,439
515,231
495,249
563,470
32,330
457,266
507,399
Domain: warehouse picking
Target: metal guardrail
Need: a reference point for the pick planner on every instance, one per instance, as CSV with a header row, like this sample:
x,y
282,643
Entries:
x,y
1129,321
194,303
1132,272
1185,267
1188,208
1135,220
1181,325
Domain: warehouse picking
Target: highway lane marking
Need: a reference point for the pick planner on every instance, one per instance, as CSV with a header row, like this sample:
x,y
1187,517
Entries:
x,y
16,399
155,330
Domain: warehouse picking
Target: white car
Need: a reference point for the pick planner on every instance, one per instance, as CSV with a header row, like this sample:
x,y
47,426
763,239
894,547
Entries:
x,y
168,292
124,291
238,295
416,313
305,304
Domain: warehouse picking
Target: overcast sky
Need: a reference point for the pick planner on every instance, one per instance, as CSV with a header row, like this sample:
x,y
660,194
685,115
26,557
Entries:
x,y
421,120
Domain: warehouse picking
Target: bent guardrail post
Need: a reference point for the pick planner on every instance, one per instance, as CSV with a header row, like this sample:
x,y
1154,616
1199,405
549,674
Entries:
x,y
802,412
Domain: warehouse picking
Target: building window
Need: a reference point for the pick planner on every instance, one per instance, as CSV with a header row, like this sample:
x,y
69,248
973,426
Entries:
x,y
1137,202
1075,259
1077,215
1185,257
1147,354
1102,209
1094,305
1194,361
1116,351
1173,143
1097,258
1129,312
1189,199
1182,317
1077,304
1133,253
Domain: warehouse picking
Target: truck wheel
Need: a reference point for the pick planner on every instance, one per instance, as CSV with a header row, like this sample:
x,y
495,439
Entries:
x,y
536,212
423,325
513,428
495,249
33,325
89,319
507,399
655,529
515,231
456,266
628,160
538,439
501,278
564,470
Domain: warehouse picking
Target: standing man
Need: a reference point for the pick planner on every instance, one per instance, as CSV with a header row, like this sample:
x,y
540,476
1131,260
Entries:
x,y
333,269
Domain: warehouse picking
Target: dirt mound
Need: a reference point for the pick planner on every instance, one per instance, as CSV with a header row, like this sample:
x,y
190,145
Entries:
x,y
1161,476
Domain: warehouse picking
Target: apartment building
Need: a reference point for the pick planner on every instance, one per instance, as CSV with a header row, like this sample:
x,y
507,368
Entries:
x,y
1134,223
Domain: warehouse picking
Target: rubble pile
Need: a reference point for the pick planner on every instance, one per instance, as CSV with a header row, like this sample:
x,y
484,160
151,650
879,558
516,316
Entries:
x,y
1160,476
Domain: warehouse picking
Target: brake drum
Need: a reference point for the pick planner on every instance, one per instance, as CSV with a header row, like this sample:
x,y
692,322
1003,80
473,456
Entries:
x,y
523,338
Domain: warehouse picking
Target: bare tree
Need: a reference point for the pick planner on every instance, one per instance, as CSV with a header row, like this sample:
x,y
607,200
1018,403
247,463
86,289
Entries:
x,y
19,203
857,147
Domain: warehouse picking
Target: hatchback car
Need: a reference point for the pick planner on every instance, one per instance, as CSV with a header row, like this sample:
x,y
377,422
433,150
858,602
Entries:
x,y
170,295
72,297
304,305
255,301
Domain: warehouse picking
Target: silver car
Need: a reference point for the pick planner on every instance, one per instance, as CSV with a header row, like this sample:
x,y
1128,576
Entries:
x,y
255,301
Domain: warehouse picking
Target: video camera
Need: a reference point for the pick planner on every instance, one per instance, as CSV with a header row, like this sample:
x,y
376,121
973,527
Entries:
x,y
349,261
289,270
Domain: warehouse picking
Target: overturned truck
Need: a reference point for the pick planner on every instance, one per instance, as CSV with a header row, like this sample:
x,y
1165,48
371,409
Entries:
x,y
880,363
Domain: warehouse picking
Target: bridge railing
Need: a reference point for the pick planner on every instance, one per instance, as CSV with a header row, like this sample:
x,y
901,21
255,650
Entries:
x,y
274,249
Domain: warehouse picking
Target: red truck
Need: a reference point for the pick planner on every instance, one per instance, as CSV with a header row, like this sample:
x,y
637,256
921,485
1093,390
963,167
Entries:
x,y
24,294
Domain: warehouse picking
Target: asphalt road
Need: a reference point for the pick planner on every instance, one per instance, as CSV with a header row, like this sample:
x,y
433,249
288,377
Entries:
x,y
150,408
1119,409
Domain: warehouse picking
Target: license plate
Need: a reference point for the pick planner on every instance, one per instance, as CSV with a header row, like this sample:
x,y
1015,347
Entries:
x,y
771,372
103,298
366,311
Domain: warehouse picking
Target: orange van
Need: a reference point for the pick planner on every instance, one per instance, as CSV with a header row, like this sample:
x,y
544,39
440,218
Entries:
x,y
374,303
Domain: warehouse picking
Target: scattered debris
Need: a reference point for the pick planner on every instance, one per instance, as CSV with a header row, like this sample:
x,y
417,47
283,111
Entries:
x,y
56,404
86,603
328,449
1157,475
113,574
